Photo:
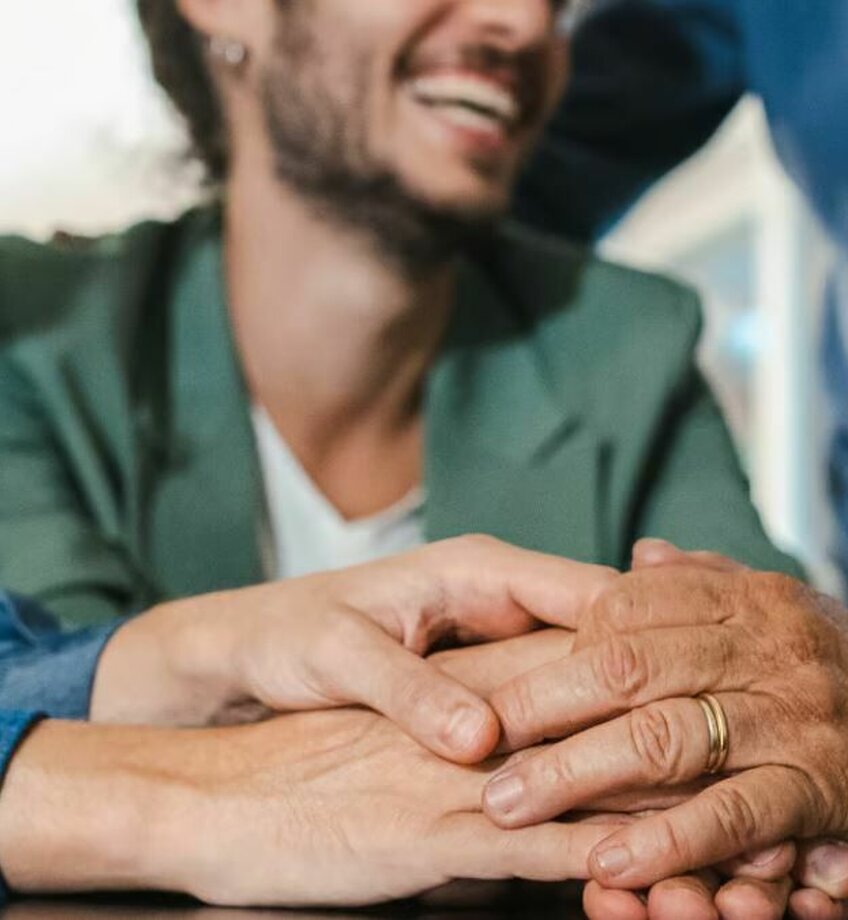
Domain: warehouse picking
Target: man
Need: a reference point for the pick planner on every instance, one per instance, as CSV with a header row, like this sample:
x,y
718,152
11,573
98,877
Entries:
x,y
653,79
361,147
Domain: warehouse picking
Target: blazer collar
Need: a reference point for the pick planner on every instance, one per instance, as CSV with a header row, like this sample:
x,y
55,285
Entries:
x,y
211,426
495,378
508,453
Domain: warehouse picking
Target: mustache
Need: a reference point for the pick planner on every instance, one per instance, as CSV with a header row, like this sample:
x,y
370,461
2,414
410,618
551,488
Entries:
x,y
524,73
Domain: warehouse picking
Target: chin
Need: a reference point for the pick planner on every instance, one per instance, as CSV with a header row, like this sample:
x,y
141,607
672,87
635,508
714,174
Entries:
x,y
474,198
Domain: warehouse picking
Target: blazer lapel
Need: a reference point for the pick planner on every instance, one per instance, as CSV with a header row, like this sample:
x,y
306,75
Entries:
x,y
508,452
212,467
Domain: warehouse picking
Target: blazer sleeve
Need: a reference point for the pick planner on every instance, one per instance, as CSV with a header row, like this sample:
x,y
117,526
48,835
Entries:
x,y
697,495
55,545
651,81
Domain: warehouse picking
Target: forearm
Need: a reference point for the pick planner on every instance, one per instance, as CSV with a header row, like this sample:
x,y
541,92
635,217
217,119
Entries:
x,y
93,808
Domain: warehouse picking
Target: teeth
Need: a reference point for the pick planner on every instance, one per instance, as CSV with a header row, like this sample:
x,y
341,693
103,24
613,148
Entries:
x,y
473,93
468,118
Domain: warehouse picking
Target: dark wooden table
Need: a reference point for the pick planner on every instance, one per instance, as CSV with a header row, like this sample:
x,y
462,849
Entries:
x,y
504,902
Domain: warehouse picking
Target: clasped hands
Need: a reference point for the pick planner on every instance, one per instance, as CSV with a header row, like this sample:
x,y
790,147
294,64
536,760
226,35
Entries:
x,y
631,766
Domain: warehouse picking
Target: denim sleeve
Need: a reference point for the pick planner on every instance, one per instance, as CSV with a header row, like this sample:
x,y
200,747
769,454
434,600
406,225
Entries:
x,y
13,727
651,81
42,668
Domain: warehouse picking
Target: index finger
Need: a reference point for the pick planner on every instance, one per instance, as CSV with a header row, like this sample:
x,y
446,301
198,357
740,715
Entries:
x,y
473,588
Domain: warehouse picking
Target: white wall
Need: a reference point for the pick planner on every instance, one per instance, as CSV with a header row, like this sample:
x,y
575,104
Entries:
x,y
84,140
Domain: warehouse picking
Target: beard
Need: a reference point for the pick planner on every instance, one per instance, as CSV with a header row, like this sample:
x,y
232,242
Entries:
x,y
318,125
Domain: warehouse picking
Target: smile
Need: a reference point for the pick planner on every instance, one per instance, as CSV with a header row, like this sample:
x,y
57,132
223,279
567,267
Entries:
x,y
469,101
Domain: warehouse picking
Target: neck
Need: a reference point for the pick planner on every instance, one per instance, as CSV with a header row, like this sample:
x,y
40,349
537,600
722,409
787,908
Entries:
x,y
331,335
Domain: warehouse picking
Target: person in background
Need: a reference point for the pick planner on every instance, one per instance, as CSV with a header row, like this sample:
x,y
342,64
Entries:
x,y
652,81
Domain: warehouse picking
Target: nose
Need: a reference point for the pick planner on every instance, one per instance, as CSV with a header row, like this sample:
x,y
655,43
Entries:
x,y
511,25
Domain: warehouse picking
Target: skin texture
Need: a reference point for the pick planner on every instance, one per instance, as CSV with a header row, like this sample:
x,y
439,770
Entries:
x,y
282,812
353,636
762,637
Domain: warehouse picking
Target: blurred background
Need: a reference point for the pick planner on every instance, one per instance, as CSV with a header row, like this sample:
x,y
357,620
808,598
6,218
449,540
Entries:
x,y
95,147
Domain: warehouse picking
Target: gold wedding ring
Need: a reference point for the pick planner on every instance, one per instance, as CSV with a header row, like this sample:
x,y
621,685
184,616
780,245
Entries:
x,y
717,728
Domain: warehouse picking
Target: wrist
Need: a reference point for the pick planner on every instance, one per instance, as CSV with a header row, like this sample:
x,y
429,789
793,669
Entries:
x,y
88,808
174,665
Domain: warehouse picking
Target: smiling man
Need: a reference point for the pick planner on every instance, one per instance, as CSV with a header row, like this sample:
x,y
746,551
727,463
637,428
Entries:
x,y
345,357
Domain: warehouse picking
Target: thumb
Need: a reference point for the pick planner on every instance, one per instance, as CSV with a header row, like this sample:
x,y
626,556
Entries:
x,y
434,708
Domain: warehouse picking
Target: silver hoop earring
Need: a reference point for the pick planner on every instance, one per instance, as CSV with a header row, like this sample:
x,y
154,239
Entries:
x,y
228,51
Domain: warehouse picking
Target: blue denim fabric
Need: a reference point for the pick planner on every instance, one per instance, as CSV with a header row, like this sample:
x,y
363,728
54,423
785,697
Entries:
x,y
13,727
43,669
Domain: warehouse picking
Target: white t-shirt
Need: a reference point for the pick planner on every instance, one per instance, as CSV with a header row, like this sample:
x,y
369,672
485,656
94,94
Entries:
x,y
306,532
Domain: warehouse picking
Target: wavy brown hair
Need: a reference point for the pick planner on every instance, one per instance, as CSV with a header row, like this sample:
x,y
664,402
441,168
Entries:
x,y
179,64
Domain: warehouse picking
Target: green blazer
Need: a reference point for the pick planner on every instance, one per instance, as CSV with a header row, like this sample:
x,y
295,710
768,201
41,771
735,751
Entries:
x,y
564,414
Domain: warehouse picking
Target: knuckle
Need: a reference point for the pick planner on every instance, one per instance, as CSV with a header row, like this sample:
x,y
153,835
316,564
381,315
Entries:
x,y
736,818
621,668
668,840
614,608
554,771
657,742
517,706
418,696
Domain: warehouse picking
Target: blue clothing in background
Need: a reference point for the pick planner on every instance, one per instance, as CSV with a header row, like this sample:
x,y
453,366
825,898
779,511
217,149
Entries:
x,y
653,79
42,668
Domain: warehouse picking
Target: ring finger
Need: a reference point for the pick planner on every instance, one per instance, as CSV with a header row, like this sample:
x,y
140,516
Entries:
x,y
662,744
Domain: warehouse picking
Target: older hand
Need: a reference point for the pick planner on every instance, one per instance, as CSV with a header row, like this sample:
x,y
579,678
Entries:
x,y
352,636
759,887
775,655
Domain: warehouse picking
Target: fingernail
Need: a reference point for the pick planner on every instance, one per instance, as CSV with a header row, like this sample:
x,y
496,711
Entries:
x,y
613,861
829,861
504,792
465,727
764,857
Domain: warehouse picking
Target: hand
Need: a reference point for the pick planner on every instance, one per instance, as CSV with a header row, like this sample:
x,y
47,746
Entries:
x,y
328,808
773,651
353,636
758,887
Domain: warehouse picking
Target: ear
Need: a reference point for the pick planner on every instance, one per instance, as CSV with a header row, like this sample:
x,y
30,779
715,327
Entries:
x,y
245,21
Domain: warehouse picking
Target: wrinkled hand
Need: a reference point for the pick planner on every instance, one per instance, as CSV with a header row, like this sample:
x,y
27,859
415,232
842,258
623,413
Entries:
x,y
328,808
774,653
759,887
352,636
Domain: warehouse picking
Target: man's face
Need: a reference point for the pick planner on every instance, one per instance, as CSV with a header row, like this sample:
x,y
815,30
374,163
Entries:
x,y
410,116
